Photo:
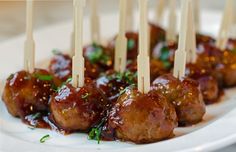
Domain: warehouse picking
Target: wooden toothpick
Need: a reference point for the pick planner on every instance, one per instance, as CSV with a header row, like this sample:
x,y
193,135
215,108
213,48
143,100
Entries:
x,y
72,45
180,54
196,8
130,15
78,59
29,52
226,24
191,36
160,7
143,57
171,30
233,27
121,40
94,22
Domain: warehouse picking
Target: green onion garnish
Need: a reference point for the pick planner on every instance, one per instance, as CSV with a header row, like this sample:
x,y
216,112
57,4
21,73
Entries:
x,y
44,138
131,44
55,51
86,95
35,116
43,77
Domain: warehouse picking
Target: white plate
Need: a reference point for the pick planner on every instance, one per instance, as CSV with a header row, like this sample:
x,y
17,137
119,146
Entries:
x,y
216,131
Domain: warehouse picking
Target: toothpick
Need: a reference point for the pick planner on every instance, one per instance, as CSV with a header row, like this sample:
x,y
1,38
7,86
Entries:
x,y
226,24
143,57
180,54
121,41
78,59
29,54
160,6
72,45
196,4
191,36
94,22
233,28
171,30
130,15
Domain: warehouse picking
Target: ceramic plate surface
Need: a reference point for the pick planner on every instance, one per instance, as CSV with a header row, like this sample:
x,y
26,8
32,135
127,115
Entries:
x,y
216,131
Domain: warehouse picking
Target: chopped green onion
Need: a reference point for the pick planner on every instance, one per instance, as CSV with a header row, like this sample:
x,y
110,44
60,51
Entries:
x,y
68,80
43,77
95,55
55,51
86,95
10,77
44,138
95,133
131,44
164,54
35,116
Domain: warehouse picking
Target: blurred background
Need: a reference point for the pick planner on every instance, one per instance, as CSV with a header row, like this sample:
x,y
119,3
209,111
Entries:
x,y
47,12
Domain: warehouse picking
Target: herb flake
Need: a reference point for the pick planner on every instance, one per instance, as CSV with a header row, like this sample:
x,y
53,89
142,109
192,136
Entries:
x,y
131,44
43,77
44,138
35,116
86,95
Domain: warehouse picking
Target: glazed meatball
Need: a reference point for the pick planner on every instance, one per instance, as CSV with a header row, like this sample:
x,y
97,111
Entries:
x,y
61,67
113,83
165,52
157,34
208,84
204,39
227,69
132,45
75,109
97,54
27,93
142,118
157,68
185,95
221,62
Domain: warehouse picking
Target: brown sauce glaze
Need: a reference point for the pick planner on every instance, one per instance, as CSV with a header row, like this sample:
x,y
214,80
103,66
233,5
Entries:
x,y
61,67
141,118
132,45
113,83
101,56
26,93
157,34
185,95
157,68
208,84
78,109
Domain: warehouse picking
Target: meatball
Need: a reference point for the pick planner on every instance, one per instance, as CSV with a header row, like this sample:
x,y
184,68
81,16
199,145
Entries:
x,y
142,118
157,68
221,62
27,93
97,54
185,95
75,109
204,39
113,83
61,67
157,34
165,52
132,45
208,84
